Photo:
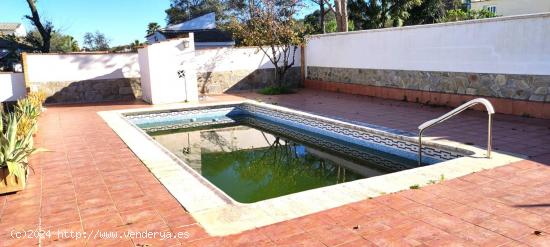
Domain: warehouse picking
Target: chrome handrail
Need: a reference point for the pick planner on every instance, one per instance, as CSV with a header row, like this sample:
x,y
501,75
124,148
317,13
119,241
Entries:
x,y
459,109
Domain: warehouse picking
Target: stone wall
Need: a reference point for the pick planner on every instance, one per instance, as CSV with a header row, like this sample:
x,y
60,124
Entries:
x,y
507,86
239,80
120,89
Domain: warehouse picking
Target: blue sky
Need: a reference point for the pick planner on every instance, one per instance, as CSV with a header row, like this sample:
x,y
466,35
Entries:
x,y
123,21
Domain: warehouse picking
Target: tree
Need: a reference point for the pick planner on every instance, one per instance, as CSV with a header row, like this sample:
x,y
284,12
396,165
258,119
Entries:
x,y
461,15
340,10
369,14
132,47
59,42
312,24
428,12
152,27
45,29
184,10
320,14
269,24
432,11
96,41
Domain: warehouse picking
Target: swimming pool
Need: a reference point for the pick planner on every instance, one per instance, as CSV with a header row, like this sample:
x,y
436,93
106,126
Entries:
x,y
253,153
237,166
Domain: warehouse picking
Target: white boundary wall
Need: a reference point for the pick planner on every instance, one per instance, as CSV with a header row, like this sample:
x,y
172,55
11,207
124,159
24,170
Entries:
x,y
12,86
509,45
233,59
79,67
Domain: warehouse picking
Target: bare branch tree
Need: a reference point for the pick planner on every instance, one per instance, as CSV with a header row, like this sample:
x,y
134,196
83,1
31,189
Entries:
x,y
45,29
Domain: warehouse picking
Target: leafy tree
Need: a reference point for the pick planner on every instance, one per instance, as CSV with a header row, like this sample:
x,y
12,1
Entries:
x,y
432,11
184,10
269,24
312,24
59,42
461,15
14,46
369,14
132,47
428,12
45,29
152,27
320,16
96,41
332,26
340,10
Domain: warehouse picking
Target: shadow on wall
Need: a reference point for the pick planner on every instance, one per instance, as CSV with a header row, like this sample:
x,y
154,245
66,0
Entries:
x,y
107,60
92,90
238,69
244,80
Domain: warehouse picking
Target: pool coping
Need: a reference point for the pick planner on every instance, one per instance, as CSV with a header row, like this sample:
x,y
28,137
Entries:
x,y
220,216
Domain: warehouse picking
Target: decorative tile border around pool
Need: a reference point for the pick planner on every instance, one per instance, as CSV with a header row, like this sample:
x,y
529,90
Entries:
x,y
221,215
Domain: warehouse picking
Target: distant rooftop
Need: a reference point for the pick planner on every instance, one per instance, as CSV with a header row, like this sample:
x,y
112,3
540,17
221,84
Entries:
x,y
9,26
203,22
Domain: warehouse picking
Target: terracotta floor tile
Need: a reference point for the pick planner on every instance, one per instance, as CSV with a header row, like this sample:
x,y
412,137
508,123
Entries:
x,y
542,239
506,227
208,242
139,215
281,230
9,241
476,235
358,242
250,237
301,239
103,222
472,215
334,235
96,212
191,233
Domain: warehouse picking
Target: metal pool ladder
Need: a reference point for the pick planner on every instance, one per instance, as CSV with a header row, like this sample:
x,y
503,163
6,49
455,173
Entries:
x,y
459,109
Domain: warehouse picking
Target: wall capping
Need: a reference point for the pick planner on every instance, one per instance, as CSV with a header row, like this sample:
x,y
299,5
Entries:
x,y
436,25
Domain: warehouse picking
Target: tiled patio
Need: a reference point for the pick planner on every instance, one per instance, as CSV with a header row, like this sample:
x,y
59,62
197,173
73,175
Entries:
x,y
91,181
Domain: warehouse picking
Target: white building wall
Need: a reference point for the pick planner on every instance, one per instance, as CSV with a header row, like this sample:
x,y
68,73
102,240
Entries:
x,y
79,67
12,86
20,31
510,45
513,7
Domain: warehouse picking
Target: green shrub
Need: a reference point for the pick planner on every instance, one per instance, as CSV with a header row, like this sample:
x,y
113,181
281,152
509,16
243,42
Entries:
x,y
274,90
27,112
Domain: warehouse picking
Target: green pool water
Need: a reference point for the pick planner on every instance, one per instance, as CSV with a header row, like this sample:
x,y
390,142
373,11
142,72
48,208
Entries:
x,y
251,163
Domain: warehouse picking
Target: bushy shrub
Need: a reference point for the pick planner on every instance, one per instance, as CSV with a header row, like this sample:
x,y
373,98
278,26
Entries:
x,y
274,90
37,99
27,111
